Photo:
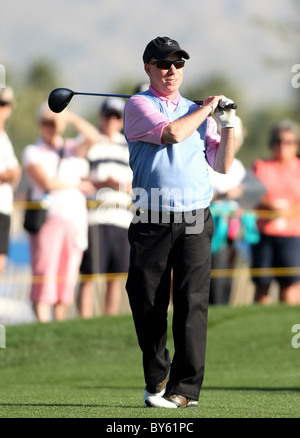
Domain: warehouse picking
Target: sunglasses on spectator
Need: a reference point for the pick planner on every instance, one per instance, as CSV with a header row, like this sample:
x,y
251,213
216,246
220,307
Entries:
x,y
45,122
109,114
279,141
165,64
2,103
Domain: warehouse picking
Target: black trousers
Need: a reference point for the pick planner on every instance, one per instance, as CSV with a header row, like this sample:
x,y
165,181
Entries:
x,y
156,249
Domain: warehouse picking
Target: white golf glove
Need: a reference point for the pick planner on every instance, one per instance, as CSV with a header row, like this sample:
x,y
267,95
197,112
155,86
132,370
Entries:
x,y
225,116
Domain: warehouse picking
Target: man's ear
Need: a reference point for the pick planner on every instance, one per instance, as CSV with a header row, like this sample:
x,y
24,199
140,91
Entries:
x,y
147,69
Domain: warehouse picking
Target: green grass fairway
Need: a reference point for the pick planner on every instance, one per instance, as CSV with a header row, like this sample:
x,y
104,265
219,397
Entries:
x,y
92,368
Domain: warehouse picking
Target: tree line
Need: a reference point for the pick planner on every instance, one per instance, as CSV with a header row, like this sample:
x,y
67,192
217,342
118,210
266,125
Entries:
x,y
41,77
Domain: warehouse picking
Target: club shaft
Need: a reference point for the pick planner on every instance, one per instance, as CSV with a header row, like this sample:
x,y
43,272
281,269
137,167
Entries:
x,y
127,96
124,96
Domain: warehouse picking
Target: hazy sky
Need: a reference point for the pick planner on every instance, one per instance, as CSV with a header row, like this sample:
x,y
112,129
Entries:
x,y
96,44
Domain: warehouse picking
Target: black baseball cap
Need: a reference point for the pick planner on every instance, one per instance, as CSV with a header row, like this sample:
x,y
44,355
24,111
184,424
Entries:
x,y
161,47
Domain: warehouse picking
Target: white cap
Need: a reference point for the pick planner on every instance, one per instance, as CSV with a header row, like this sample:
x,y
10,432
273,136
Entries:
x,y
7,95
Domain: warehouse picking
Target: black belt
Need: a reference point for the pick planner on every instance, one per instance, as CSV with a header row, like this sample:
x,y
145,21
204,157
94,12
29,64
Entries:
x,y
166,217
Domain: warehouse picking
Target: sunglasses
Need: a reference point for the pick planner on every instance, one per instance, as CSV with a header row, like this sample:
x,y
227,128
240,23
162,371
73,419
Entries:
x,y
2,103
109,114
164,64
45,122
279,141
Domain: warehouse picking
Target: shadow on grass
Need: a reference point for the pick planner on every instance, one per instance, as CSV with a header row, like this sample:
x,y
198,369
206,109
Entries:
x,y
69,405
249,388
80,405
209,388
113,388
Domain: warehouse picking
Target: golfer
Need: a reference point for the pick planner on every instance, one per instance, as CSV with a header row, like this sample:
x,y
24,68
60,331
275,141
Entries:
x,y
171,140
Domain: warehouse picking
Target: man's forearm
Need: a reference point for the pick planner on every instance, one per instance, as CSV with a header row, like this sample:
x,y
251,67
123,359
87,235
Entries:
x,y
226,151
182,128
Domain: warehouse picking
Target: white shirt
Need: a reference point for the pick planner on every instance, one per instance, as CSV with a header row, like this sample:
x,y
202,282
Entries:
x,y
110,158
221,183
8,160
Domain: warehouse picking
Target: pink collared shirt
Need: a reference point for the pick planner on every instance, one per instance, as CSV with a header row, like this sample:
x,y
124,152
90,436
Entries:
x,y
144,123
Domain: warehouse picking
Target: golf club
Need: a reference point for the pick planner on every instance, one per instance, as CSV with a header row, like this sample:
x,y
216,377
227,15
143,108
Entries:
x,y
59,98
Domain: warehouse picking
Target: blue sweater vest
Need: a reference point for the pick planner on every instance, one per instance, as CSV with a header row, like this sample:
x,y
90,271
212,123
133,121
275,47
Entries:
x,y
172,177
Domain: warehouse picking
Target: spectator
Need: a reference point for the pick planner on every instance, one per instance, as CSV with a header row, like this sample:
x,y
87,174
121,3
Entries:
x,y
279,222
142,86
10,173
55,168
108,249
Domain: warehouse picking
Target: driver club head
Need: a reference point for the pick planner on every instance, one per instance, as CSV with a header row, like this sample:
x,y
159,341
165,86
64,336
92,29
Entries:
x,y
59,99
